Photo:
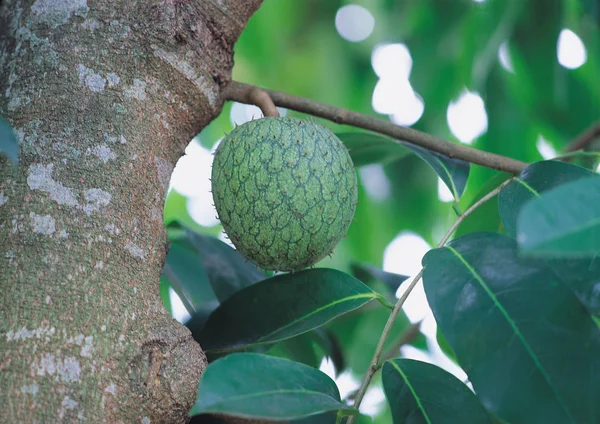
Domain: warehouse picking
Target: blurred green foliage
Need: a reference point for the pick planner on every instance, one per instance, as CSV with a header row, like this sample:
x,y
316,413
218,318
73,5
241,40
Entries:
x,y
293,46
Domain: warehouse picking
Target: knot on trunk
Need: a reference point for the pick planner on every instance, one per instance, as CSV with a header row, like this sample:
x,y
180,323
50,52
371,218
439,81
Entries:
x,y
166,371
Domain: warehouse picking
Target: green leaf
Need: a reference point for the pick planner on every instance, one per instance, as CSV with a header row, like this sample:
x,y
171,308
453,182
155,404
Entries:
x,y
421,392
249,385
228,271
453,172
301,348
331,347
365,273
563,222
185,273
530,183
369,148
282,307
529,348
579,274
583,277
8,142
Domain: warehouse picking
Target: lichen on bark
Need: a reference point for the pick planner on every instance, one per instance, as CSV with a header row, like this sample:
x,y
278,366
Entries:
x,y
103,97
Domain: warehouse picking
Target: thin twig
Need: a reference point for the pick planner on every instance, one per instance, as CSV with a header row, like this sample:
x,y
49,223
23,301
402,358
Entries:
x,y
255,96
470,210
584,139
239,92
375,364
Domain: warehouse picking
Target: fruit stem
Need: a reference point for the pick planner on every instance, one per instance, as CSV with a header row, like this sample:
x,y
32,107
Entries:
x,y
259,97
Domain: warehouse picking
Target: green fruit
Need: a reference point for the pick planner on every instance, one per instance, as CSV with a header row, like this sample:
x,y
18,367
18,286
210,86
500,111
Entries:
x,y
284,190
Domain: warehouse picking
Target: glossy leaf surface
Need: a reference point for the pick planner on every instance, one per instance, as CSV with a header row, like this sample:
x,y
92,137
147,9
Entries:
x,y
250,385
563,222
185,273
423,393
528,346
228,271
530,183
296,303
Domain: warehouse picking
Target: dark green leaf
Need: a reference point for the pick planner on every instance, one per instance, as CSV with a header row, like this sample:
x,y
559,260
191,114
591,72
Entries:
x,y
8,142
583,277
366,273
302,348
453,172
282,307
528,346
368,148
331,346
579,274
532,181
564,222
421,392
184,271
250,385
228,271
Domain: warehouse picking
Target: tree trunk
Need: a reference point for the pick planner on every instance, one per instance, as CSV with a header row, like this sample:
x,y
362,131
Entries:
x,y
104,96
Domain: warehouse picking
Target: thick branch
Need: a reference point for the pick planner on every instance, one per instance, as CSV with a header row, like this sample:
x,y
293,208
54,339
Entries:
x,y
584,139
239,92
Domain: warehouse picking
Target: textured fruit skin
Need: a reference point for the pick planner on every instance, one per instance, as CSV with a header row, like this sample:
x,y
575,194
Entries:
x,y
285,191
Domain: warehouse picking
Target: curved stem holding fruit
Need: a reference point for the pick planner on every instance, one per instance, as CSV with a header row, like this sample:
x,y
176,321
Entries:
x,y
244,93
253,96
375,361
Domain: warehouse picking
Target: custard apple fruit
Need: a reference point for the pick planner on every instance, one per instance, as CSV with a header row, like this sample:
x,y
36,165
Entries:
x,y
285,191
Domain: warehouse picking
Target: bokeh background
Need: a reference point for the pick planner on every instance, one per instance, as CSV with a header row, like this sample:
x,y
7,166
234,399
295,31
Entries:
x,y
516,77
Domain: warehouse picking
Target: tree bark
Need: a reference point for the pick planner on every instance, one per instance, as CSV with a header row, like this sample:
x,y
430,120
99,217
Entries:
x,y
104,96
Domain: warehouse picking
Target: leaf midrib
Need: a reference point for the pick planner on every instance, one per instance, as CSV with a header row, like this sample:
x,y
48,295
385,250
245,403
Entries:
x,y
528,187
267,393
322,308
516,330
262,339
453,188
412,390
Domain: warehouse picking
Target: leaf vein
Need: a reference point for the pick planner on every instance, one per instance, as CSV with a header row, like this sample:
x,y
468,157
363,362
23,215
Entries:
x,y
514,327
412,390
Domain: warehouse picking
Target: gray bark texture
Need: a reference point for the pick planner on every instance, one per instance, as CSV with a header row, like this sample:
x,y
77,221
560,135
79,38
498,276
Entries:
x,y
104,96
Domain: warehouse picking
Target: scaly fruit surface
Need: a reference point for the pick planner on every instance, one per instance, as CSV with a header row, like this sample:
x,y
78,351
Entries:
x,y
285,191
